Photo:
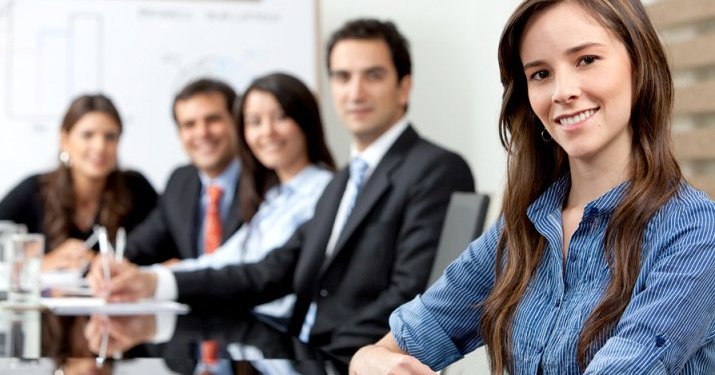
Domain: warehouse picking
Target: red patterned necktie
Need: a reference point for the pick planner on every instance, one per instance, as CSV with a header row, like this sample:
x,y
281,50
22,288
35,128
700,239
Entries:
x,y
212,240
212,220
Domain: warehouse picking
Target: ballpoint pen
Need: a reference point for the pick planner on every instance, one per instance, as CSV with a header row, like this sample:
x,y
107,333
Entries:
x,y
121,242
91,240
104,252
102,355
88,244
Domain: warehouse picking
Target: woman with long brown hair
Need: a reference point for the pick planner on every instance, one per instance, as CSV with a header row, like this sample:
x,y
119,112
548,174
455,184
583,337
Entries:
x,y
603,260
85,190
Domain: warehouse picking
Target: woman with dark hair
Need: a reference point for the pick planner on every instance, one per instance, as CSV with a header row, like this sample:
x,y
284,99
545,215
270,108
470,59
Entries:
x,y
603,259
285,164
85,190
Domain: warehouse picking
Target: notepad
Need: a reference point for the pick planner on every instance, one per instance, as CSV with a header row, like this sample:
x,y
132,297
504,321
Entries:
x,y
86,306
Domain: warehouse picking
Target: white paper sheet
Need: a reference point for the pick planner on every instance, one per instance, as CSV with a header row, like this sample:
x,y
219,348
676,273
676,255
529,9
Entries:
x,y
85,306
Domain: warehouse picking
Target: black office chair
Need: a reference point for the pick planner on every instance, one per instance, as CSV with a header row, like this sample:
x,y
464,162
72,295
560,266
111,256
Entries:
x,y
463,223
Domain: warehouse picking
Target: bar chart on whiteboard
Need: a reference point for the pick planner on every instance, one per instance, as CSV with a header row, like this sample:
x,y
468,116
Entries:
x,y
139,53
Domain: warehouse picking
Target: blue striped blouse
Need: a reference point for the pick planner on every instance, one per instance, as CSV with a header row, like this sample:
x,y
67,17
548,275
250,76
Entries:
x,y
668,326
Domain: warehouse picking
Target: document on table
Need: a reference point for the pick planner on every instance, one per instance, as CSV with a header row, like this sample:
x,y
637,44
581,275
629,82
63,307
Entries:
x,y
84,305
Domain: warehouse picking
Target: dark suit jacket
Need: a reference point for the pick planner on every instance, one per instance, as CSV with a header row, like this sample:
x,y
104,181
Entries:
x,y
170,231
382,259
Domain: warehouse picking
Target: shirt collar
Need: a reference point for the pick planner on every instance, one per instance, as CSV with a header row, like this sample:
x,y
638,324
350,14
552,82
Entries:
x,y
553,199
227,180
373,153
300,183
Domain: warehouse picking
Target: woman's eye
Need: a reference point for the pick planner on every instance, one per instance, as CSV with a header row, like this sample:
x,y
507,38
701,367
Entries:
x,y
587,60
538,76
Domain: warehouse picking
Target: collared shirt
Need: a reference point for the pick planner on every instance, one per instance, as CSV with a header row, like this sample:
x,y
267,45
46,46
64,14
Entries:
x,y
668,326
284,209
227,180
372,155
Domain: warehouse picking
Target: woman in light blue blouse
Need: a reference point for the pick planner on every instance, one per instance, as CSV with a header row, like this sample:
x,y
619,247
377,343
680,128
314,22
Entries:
x,y
603,260
286,165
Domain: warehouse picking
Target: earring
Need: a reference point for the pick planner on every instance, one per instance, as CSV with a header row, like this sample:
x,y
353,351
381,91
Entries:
x,y
64,158
545,136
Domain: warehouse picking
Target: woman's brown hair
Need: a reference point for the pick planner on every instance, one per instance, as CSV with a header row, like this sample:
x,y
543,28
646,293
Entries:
x,y
533,165
57,188
297,103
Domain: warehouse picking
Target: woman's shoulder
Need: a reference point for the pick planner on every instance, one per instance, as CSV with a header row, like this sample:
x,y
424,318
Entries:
x,y
688,200
315,178
136,179
140,188
23,198
30,185
690,211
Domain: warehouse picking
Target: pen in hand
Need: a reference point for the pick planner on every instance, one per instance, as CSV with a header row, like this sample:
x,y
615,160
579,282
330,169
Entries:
x,y
104,253
102,355
88,244
121,243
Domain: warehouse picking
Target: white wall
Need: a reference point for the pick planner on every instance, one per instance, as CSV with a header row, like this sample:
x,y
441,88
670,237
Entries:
x,y
456,92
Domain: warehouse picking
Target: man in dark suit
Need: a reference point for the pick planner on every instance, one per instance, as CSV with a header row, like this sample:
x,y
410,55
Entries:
x,y
372,241
175,229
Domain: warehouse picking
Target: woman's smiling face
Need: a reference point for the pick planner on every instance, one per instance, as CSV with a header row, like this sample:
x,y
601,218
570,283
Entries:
x,y
579,80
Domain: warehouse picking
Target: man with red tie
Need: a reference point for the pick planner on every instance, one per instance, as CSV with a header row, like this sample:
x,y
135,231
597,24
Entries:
x,y
199,207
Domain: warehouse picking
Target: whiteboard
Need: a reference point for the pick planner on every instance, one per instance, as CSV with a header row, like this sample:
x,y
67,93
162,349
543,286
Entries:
x,y
139,53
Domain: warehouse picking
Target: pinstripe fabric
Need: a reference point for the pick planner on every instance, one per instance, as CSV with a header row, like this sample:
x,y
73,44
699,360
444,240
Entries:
x,y
668,326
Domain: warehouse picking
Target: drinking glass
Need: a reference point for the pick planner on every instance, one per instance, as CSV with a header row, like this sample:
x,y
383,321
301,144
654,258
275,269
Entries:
x,y
24,253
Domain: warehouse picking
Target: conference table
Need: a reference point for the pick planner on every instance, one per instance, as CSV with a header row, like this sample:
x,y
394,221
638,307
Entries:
x,y
36,341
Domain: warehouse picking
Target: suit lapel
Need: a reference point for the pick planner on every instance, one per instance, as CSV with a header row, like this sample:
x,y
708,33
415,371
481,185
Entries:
x,y
188,233
324,220
377,185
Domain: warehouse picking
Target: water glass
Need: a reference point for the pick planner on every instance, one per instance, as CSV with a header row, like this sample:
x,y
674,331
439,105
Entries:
x,y
7,228
24,253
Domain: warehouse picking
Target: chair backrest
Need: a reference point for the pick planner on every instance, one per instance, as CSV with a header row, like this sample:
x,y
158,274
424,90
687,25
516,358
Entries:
x,y
463,222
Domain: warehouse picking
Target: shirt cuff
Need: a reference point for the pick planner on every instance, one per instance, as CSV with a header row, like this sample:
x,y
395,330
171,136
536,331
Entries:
x,y
166,288
165,326
417,333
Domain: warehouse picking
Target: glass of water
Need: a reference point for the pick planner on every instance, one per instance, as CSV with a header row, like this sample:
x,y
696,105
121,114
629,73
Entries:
x,y
7,229
24,254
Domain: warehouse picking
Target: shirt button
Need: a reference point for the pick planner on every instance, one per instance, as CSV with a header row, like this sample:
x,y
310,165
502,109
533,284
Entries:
x,y
323,293
659,341
557,303
572,257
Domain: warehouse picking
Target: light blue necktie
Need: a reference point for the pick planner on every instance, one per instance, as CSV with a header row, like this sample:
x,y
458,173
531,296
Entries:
x,y
358,167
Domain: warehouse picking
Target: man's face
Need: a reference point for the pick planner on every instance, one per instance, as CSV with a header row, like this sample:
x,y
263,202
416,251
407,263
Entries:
x,y
207,132
365,89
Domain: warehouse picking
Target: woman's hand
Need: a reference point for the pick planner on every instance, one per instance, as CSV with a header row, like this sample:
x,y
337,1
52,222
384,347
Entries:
x,y
70,255
386,358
